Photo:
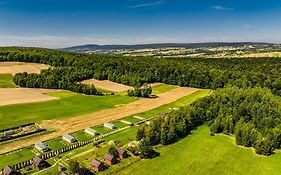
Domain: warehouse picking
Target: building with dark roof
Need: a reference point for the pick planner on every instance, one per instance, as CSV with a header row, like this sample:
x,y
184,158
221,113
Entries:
x,y
122,153
109,159
39,163
97,165
9,171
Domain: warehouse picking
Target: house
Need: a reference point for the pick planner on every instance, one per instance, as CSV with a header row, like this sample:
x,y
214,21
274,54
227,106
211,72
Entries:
x,y
122,153
41,147
8,133
109,125
68,138
109,159
39,163
97,165
9,171
91,131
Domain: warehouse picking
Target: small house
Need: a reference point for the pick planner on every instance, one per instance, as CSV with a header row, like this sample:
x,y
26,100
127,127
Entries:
x,y
8,133
39,163
109,159
9,171
109,125
68,138
97,165
122,153
91,131
41,147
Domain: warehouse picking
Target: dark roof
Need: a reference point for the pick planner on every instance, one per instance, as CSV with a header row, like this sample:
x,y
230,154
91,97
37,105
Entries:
x,y
95,163
37,160
108,157
120,151
8,170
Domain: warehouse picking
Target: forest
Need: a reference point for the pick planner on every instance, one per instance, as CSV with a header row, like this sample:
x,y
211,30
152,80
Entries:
x,y
70,68
252,116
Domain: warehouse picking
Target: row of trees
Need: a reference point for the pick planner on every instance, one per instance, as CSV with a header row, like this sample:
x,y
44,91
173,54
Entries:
x,y
135,71
144,91
252,116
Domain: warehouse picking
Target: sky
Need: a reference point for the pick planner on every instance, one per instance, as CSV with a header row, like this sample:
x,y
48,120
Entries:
x,y
63,23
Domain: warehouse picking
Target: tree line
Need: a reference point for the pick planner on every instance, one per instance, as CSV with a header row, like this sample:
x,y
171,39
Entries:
x,y
252,116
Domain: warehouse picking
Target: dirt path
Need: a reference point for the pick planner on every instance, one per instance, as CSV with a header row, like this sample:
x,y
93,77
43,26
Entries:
x,y
83,121
10,96
16,67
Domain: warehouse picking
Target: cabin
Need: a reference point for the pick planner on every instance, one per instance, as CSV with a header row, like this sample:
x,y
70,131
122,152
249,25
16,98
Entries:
x,y
97,165
68,138
109,159
8,133
122,153
9,171
39,163
109,125
41,147
91,132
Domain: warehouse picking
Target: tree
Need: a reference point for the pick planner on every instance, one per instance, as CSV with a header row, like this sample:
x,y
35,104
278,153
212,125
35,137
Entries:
x,y
113,151
146,151
74,166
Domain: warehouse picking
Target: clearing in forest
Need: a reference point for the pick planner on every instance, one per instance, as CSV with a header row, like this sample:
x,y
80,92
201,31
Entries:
x,y
24,95
17,67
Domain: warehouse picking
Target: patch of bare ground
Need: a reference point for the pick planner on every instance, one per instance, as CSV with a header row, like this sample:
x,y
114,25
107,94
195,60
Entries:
x,y
112,86
10,96
88,120
17,67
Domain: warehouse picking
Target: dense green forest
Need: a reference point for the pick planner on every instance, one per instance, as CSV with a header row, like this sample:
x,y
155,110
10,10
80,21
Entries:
x,y
252,115
70,68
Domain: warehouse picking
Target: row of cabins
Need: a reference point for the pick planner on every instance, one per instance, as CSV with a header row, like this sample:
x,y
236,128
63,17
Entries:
x,y
108,159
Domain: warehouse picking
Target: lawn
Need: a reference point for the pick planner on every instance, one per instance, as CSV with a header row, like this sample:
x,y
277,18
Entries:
x,y
162,88
16,157
69,105
6,81
56,144
203,154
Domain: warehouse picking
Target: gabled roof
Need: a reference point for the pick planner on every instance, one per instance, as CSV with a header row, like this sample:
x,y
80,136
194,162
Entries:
x,y
108,157
96,163
120,151
69,137
37,160
8,170
109,125
41,145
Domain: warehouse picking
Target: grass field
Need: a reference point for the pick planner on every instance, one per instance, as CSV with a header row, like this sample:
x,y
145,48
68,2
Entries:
x,y
162,88
201,153
6,81
69,105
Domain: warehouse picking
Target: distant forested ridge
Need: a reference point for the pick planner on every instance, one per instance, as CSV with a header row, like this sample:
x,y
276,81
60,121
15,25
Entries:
x,y
252,115
135,71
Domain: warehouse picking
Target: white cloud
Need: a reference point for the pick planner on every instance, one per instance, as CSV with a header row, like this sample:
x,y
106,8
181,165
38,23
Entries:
x,y
146,4
222,8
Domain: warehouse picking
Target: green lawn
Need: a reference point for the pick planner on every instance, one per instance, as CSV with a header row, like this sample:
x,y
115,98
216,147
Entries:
x,y
69,105
16,157
203,154
162,88
6,81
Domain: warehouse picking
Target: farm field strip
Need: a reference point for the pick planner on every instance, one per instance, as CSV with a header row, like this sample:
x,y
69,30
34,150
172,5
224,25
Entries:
x,y
6,81
16,67
83,121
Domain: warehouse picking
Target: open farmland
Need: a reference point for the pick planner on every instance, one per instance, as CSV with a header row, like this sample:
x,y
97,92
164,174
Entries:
x,y
16,67
83,121
6,81
217,154
107,85
23,95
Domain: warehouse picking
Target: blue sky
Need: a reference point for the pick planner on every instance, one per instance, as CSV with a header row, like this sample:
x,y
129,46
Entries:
x,y
61,23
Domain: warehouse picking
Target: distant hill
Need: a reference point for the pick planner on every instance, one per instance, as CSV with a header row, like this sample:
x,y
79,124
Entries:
x,y
95,47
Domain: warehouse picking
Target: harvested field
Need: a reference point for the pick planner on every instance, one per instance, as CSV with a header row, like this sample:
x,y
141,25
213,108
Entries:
x,y
16,67
23,95
112,86
88,120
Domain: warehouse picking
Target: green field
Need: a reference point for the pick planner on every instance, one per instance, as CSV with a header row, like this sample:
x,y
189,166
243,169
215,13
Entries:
x,y
162,88
6,81
69,105
203,154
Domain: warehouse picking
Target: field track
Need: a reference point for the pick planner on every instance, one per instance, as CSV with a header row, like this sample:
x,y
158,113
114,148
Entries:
x,y
16,67
10,96
83,121
112,86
